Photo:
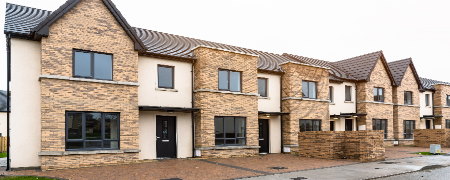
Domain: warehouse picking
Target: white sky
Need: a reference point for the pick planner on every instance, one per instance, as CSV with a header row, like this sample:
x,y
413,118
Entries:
x,y
324,29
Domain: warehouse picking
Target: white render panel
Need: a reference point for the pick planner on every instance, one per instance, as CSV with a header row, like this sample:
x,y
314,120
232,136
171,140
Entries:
x,y
426,110
339,124
272,102
25,122
339,104
151,95
275,134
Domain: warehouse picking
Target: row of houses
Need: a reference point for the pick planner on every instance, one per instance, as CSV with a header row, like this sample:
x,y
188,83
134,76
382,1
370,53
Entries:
x,y
89,89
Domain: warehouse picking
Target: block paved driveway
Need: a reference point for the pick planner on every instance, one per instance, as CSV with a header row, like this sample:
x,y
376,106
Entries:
x,y
231,168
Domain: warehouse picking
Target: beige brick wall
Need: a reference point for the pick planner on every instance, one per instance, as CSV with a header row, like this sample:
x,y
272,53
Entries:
x,y
208,62
440,106
88,26
425,137
402,113
378,78
300,108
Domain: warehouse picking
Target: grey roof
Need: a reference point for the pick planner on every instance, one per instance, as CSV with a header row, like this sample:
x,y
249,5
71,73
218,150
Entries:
x,y
361,66
21,19
428,83
3,101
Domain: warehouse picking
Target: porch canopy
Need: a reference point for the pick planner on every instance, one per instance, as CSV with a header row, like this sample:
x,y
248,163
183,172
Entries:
x,y
167,109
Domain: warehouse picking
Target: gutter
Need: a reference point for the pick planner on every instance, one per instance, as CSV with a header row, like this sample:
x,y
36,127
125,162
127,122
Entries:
x,y
8,100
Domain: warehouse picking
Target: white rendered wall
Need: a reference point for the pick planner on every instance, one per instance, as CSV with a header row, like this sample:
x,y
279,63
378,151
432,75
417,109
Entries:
x,y
426,110
271,103
339,124
339,105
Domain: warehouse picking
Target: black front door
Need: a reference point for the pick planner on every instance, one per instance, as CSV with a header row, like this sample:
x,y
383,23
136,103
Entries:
x,y
348,124
264,135
428,124
166,146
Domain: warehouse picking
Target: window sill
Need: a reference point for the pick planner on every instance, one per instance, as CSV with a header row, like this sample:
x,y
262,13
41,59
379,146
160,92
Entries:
x,y
349,102
66,153
166,89
262,97
87,80
226,92
228,147
332,103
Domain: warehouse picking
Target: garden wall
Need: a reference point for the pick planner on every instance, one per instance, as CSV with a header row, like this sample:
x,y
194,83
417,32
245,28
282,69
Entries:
x,y
425,137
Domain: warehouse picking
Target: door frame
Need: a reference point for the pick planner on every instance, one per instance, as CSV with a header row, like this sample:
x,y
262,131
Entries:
x,y
268,134
176,135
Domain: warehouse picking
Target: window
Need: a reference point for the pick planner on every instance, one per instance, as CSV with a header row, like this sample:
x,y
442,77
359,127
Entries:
x,y
427,99
378,94
165,76
348,93
92,130
448,100
330,95
262,87
87,64
309,89
409,127
230,131
310,125
408,98
447,123
380,124
229,80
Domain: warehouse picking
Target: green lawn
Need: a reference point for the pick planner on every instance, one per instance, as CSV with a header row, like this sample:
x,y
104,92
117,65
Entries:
x,y
2,155
428,153
23,178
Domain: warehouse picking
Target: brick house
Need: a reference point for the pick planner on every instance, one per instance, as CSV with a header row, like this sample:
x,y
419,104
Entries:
x,y
99,92
435,104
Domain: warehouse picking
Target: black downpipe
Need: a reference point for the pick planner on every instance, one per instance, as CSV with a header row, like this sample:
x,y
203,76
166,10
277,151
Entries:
x,y
192,113
281,110
8,99
356,106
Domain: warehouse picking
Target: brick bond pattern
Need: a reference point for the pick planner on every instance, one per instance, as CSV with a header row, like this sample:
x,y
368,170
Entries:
x,y
425,137
364,146
212,104
440,104
402,113
88,26
300,108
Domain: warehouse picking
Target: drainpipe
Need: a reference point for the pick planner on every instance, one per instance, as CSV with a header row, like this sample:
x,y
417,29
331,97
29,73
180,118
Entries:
x,y
281,110
8,99
356,107
192,112
432,110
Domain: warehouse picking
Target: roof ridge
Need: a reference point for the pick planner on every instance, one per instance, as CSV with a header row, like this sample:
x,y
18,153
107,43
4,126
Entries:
x,y
380,52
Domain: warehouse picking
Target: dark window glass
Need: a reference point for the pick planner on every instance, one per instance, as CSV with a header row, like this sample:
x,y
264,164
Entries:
x,y
92,130
348,93
310,125
380,124
378,94
92,65
409,127
229,80
448,100
408,97
447,123
262,87
229,131
330,95
427,99
165,76
309,89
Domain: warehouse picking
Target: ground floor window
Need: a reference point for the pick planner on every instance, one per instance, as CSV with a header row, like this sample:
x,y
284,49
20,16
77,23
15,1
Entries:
x,y
229,131
409,127
92,130
380,124
447,123
310,125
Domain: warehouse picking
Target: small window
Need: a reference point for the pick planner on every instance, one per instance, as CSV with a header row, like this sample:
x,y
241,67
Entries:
x,y
310,125
309,89
262,87
409,127
330,95
92,131
378,94
165,76
380,124
427,99
447,123
229,80
448,100
348,93
229,131
408,98
87,64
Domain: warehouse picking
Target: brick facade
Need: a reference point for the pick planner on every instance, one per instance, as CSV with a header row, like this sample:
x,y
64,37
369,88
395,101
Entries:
x,y
213,102
425,137
440,104
88,26
298,107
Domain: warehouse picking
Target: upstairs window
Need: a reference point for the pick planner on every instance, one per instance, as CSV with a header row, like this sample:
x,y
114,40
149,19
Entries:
x,y
348,93
448,100
229,80
427,99
165,76
310,125
378,94
87,64
262,87
408,98
330,95
309,89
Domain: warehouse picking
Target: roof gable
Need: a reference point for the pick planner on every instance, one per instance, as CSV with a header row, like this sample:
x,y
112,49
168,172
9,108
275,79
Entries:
x,y
399,68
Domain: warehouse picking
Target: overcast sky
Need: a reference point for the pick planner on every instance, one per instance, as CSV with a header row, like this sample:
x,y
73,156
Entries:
x,y
323,29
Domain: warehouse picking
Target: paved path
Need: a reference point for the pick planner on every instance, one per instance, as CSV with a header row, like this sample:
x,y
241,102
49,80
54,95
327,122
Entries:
x,y
435,174
366,170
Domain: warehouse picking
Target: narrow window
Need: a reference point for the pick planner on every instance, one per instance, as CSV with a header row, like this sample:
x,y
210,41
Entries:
x,y
229,131
378,94
348,93
87,64
229,80
447,123
310,125
330,95
262,87
409,127
427,99
408,98
309,89
165,76
448,100
92,130
380,124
